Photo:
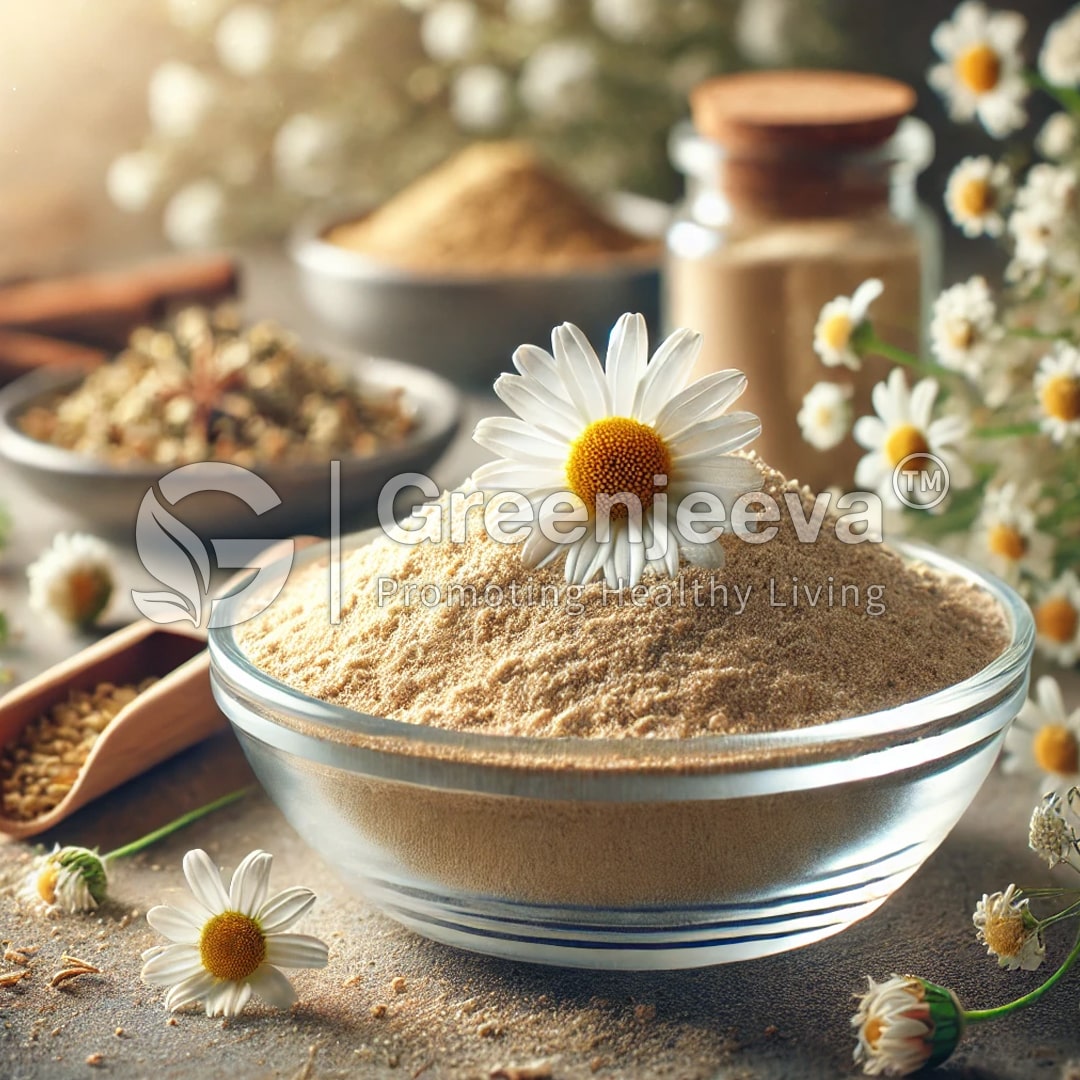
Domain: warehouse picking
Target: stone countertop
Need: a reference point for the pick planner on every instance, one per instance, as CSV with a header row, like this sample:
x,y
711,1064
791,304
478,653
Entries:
x,y
457,1015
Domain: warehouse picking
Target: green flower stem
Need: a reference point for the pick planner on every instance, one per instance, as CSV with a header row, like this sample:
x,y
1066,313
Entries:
x,y
873,344
1007,431
978,1015
1065,96
175,826
1039,335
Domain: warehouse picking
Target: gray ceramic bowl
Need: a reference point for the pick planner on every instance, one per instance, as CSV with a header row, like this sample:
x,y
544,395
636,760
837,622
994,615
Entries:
x,y
108,497
466,327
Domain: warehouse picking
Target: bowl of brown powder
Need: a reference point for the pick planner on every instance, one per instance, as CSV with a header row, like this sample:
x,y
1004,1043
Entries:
x,y
489,250
716,767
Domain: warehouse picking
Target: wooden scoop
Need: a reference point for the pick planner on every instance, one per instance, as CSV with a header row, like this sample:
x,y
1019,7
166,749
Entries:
x,y
176,712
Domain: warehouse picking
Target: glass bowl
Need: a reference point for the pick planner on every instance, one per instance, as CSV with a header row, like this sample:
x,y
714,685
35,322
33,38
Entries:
x,y
630,853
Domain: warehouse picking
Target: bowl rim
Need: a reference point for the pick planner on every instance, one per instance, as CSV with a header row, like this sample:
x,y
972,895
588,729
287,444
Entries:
x,y
850,736
308,248
437,405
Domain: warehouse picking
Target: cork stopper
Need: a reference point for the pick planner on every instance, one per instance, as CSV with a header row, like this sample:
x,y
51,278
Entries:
x,y
799,110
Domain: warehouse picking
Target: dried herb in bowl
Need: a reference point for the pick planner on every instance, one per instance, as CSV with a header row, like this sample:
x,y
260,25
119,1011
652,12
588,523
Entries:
x,y
205,388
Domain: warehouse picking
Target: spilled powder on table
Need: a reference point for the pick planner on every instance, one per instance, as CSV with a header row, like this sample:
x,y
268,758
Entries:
x,y
619,669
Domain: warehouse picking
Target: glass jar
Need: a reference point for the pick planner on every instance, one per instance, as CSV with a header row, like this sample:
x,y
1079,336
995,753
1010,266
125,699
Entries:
x,y
798,188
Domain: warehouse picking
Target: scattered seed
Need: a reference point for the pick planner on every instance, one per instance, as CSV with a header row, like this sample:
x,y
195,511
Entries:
x,y
534,1070
95,1060
13,977
378,1011
398,985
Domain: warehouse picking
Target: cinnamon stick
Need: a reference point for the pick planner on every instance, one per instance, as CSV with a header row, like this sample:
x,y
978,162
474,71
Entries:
x,y
21,352
101,309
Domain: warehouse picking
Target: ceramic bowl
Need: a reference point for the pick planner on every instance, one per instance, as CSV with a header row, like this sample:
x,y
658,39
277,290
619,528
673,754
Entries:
x,y
629,853
467,326
108,497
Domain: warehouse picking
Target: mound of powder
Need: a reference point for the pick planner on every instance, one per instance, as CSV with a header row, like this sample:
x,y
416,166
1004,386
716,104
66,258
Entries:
x,y
492,647
493,207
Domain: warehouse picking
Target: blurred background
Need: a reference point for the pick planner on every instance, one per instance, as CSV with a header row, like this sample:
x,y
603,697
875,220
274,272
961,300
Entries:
x,y
132,125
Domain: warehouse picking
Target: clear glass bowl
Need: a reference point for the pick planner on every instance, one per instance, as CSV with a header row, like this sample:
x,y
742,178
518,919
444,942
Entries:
x,y
633,853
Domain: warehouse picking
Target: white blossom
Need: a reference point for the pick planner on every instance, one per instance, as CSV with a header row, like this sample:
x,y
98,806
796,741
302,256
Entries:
x,y
246,38
193,216
179,98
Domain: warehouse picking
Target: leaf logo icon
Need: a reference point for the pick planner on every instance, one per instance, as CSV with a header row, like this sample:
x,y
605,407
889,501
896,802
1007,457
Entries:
x,y
174,555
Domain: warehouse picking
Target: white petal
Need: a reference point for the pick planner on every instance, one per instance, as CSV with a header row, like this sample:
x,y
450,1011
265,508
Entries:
x,y
205,881
901,396
176,925
503,475
247,893
620,556
235,1002
269,984
960,474
540,365
191,989
709,556
947,429
538,406
1048,694
923,396
863,297
884,405
870,469
700,401
296,951
539,550
174,964
627,356
728,472
514,439
870,432
284,908
637,561
580,371
667,373
719,436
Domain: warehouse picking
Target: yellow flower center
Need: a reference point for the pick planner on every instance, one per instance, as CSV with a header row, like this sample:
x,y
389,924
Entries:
x,y
836,331
232,946
1057,619
1006,541
1061,397
46,884
1056,750
616,456
873,1031
961,334
978,67
1006,935
905,441
973,198
85,589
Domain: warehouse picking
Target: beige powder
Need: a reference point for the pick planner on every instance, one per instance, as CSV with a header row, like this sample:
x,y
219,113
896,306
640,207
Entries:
x,y
663,667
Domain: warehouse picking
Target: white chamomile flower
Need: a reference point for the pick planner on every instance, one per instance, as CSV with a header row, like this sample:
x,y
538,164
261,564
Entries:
x,y
978,191
839,322
1057,620
73,579
245,38
179,97
905,1024
1057,386
231,944
1006,537
450,30
1059,61
1050,836
1045,739
1009,931
982,73
1058,137
480,97
68,879
558,80
1045,226
902,435
964,329
825,416
608,441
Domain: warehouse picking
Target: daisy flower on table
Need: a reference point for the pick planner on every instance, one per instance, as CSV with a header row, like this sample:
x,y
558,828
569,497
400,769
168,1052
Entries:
x,y
73,579
230,944
840,321
825,416
981,75
1057,620
977,194
1044,226
1006,537
903,433
1009,931
608,440
1059,60
964,328
1058,137
1045,739
1057,386
1050,836
905,1024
